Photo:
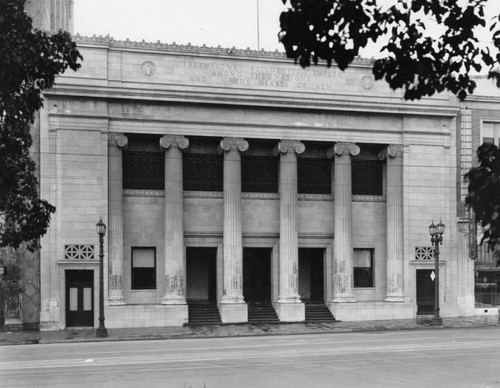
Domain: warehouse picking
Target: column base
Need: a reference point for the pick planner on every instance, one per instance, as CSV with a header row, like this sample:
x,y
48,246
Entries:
x,y
233,312
116,301
173,299
232,300
290,311
394,298
344,299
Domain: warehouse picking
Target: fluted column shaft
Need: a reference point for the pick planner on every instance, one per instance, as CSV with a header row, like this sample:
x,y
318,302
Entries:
x,y
115,236
233,246
175,266
394,222
289,244
343,271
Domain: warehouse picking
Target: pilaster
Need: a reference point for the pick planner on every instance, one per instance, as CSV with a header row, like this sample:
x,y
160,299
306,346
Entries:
x,y
289,306
117,142
394,222
175,266
342,278
232,305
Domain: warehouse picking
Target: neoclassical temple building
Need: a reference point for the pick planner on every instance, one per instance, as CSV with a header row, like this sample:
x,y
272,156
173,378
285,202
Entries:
x,y
239,187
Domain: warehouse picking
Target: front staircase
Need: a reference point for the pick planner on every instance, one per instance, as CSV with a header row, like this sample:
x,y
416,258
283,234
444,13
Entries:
x,y
203,314
318,313
262,313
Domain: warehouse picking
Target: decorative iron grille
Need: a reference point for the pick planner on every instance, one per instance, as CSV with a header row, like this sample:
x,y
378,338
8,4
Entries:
x,y
79,251
367,177
143,170
202,172
424,253
259,174
314,176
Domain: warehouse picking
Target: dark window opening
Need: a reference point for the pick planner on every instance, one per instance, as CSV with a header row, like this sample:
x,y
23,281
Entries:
x,y
202,172
143,170
143,268
314,176
367,177
363,267
259,174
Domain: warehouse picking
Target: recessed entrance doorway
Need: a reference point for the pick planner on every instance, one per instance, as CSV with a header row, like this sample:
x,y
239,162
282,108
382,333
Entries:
x,y
257,275
201,275
425,292
79,298
311,274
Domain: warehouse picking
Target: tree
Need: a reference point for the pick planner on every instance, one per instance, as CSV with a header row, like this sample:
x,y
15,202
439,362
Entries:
x,y
10,281
421,65
31,59
414,61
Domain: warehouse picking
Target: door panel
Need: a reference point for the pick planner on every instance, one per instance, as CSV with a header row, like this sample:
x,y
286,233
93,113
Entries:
x,y
79,298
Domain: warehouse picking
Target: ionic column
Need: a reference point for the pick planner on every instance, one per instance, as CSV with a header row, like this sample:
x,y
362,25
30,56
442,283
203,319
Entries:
x,y
175,268
233,247
116,144
394,227
342,278
289,245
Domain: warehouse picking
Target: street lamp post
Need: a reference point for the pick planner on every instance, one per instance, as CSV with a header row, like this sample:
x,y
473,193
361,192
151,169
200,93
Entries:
x,y
101,231
436,232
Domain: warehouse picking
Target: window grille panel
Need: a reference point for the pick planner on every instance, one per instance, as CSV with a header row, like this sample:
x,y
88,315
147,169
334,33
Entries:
x,y
79,252
259,174
367,177
424,253
314,176
143,170
202,172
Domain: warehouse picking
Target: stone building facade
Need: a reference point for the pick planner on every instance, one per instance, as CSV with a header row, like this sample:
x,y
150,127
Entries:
x,y
234,178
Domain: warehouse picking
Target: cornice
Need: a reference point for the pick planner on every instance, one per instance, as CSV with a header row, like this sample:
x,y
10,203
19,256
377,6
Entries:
x,y
110,42
261,98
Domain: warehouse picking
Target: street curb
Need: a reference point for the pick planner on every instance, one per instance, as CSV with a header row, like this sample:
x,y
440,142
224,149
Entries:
x,y
38,339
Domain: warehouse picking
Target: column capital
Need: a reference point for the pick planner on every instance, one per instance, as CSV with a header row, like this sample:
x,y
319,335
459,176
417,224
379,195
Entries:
x,y
168,141
285,146
228,143
118,140
339,149
391,151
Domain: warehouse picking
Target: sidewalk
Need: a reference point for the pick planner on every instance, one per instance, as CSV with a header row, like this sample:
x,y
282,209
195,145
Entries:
x,y
239,330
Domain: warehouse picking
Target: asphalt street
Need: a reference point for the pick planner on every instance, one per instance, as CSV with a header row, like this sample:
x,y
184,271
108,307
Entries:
x,y
427,358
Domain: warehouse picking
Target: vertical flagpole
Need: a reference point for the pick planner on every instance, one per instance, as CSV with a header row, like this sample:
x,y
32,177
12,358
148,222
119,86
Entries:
x,y
258,27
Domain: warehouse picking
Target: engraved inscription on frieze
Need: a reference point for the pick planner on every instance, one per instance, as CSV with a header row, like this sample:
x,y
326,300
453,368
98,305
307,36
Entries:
x,y
265,76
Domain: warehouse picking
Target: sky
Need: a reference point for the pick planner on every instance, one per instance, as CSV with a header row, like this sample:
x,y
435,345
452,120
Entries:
x,y
228,23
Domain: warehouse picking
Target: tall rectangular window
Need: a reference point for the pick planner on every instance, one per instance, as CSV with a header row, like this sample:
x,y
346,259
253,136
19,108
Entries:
x,y
259,174
143,268
143,163
491,133
368,172
203,165
362,263
314,175
202,172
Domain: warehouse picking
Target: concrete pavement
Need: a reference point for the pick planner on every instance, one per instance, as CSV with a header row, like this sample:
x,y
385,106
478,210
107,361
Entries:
x,y
239,330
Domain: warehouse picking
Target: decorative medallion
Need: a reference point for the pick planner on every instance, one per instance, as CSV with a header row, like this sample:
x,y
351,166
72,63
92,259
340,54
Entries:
x,y
148,68
367,82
